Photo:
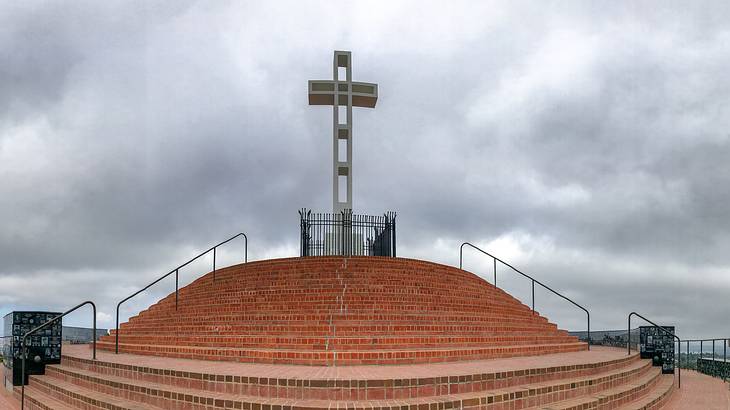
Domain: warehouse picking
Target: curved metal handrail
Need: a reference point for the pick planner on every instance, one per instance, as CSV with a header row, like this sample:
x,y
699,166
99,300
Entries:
x,y
23,346
628,342
534,281
176,272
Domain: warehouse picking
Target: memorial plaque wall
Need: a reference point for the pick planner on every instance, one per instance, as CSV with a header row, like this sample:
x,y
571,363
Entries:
x,y
44,346
658,346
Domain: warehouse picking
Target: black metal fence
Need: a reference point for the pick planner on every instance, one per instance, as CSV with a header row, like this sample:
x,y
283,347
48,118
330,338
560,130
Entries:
x,y
346,234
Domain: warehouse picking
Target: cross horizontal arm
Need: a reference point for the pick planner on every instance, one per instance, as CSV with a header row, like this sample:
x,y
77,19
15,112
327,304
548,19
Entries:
x,y
322,92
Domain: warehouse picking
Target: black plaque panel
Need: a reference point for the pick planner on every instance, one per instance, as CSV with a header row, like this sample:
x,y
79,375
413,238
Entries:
x,y
44,346
658,346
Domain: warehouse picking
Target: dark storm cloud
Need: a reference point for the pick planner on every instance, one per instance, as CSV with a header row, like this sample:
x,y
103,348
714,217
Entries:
x,y
588,144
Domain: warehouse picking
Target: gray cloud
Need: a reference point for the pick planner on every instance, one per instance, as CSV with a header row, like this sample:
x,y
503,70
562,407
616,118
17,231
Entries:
x,y
588,144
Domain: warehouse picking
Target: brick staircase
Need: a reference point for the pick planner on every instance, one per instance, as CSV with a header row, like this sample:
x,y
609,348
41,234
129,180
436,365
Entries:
x,y
341,311
354,333
604,378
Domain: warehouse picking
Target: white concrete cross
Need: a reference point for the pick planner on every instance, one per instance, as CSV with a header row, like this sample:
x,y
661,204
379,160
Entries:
x,y
342,94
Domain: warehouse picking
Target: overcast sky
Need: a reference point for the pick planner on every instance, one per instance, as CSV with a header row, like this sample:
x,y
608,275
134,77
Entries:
x,y
587,144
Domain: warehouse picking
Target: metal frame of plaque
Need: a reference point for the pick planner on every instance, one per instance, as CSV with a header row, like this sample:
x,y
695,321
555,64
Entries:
x,y
657,346
45,345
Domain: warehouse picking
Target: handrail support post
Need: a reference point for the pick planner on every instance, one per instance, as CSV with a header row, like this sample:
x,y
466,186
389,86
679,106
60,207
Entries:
x,y
177,274
495,271
533,296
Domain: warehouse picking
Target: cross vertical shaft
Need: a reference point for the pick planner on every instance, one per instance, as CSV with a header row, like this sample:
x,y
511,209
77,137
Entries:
x,y
342,134
343,94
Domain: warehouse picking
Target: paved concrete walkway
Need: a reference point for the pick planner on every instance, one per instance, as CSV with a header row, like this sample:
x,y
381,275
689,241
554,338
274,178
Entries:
x,y
700,392
7,401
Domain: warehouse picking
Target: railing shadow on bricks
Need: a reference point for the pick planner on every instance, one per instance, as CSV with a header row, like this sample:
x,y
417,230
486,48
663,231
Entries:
x,y
176,271
711,364
346,234
24,350
679,356
534,281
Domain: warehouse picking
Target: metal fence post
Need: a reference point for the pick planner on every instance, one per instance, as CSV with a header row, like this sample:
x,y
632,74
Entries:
x,y
393,222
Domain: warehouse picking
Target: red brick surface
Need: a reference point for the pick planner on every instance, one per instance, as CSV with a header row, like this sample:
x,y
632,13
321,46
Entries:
x,y
355,333
700,391
341,311
603,378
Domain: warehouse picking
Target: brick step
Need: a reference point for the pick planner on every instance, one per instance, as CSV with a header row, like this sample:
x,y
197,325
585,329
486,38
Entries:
x,y
35,399
409,278
319,330
326,358
323,288
347,318
364,326
340,342
656,398
381,303
402,315
329,277
503,325
146,392
345,314
342,320
275,283
335,329
285,306
386,303
611,398
433,382
370,331
354,291
79,397
355,315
